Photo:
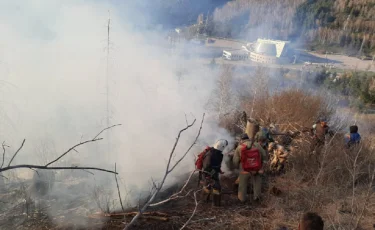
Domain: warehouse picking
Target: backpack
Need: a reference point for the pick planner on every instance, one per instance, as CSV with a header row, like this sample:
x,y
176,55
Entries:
x,y
199,161
250,158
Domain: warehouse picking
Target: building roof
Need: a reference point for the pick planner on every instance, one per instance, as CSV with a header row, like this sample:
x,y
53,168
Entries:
x,y
270,47
265,49
237,51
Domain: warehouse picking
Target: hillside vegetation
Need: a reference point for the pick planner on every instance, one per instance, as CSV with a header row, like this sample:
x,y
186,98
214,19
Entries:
x,y
348,24
330,25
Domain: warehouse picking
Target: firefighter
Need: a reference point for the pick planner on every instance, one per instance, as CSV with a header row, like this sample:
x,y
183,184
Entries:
x,y
353,137
256,176
319,131
243,139
212,169
265,133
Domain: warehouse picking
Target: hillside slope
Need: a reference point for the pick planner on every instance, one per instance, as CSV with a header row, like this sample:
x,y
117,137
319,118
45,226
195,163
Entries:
x,y
336,25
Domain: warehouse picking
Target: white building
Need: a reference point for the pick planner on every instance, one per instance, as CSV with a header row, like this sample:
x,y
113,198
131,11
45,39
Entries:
x,y
270,51
235,54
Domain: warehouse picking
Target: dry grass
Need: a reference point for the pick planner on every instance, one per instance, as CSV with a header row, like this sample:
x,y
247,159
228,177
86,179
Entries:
x,y
338,183
291,109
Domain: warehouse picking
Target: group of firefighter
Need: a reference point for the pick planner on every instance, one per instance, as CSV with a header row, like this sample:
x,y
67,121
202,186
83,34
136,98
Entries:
x,y
255,149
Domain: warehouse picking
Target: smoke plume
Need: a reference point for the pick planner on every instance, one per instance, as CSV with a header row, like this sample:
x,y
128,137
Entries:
x,y
54,89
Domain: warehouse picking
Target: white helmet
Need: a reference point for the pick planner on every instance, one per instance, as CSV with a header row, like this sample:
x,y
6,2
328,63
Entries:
x,y
221,144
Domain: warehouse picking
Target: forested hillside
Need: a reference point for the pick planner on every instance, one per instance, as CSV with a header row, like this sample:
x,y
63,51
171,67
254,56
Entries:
x,y
344,23
330,25
257,18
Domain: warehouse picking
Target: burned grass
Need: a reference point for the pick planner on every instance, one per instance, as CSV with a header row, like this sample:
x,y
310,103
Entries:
x,y
336,182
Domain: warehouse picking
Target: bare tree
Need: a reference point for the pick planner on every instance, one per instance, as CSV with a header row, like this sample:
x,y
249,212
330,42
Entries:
x,y
47,166
222,97
326,147
169,168
118,191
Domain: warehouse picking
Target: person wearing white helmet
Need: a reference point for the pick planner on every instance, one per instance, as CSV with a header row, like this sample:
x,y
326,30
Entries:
x,y
221,145
212,168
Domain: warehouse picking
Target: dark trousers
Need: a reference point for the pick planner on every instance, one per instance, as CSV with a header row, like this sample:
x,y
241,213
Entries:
x,y
211,183
316,145
212,186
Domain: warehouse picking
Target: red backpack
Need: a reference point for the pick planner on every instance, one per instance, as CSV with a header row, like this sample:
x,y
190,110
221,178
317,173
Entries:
x,y
250,159
199,161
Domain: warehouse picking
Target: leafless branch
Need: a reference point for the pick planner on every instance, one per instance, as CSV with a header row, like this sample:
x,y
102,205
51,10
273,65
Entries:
x,y
118,191
167,172
53,168
3,176
325,152
154,186
191,146
35,171
81,143
252,107
88,172
195,209
3,146
176,195
366,199
354,175
15,154
110,127
175,145
187,123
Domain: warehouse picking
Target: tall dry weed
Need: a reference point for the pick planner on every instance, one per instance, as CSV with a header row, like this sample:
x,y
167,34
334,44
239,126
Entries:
x,y
336,182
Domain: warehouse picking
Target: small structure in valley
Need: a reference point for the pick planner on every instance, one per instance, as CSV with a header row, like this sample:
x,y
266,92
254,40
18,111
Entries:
x,y
263,51
271,51
235,54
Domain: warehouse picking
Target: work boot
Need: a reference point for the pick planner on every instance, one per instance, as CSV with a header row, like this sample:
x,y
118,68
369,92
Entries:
x,y
235,188
256,200
205,196
216,197
239,202
217,200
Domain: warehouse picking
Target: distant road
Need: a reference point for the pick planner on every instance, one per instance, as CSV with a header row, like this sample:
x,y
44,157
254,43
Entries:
x,y
346,62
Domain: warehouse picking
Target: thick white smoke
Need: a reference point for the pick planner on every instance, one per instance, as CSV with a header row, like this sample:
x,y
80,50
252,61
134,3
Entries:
x,y
53,89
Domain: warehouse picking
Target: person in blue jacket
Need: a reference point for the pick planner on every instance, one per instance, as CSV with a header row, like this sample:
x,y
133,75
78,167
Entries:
x,y
353,137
